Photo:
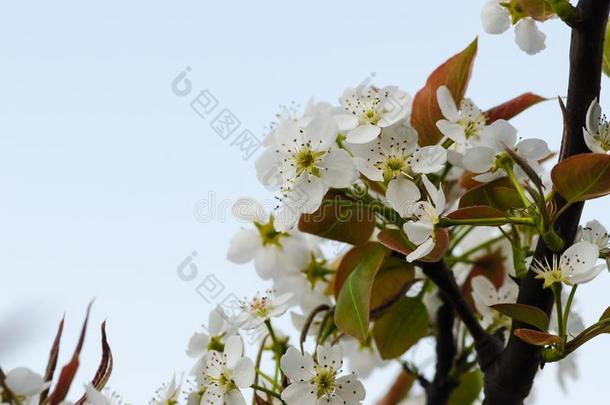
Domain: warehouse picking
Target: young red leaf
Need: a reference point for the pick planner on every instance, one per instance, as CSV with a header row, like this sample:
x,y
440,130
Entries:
x,y
340,218
582,177
52,363
396,240
537,338
477,212
455,74
511,108
104,370
524,313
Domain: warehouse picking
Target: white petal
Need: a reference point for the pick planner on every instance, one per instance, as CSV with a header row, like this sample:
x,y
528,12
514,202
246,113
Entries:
x,y
495,18
23,381
479,159
586,276
579,259
363,134
297,366
418,231
402,193
322,132
338,169
299,393
265,262
453,131
436,195
594,113
294,254
233,350
350,389
243,372
368,169
529,38
429,159
243,246
498,135
446,102
593,144
330,356
94,397
234,397
198,345
422,250
267,167
346,121
213,396
533,148
217,321
249,209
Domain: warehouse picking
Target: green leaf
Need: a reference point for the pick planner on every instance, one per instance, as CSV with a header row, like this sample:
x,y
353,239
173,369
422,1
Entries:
x,y
340,218
537,338
455,74
471,384
401,327
352,313
511,108
392,281
499,194
582,177
524,313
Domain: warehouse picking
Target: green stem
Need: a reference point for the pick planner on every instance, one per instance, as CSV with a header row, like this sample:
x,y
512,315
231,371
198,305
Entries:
x,y
566,313
276,348
267,391
511,175
267,378
558,308
447,222
568,13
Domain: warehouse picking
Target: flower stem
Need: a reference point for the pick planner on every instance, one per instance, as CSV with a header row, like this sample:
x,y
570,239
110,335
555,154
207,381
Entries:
x,y
558,308
276,348
566,313
267,391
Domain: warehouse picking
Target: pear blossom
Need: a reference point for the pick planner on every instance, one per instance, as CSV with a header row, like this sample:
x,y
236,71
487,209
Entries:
x,y
597,234
25,384
226,373
485,294
394,153
374,109
494,139
316,381
218,327
272,251
262,308
597,130
575,266
464,125
424,216
496,19
305,162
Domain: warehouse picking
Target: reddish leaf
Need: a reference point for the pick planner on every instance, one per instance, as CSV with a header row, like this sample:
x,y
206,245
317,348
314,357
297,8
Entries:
x,y
455,74
104,369
52,363
537,338
582,177
513,107
69,370
399,389
340,218
396,240
392,281
500,194
476,212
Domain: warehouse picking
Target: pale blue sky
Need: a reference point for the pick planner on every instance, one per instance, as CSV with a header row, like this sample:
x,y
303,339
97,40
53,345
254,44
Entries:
x,y
101,165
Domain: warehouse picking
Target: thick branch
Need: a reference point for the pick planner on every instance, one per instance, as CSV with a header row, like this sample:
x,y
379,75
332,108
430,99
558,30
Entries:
x,y
509,380
488,347
439,390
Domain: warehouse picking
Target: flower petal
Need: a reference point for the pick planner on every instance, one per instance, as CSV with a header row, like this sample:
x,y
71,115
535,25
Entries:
x,y
529,38
250,210
446,102
495,18
243,373
243,246
363,134
402,193
429,159
330,356
297,366
479,159
422,250
338,169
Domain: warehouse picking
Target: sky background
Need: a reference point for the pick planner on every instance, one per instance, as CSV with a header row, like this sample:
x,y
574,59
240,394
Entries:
x,y
109,180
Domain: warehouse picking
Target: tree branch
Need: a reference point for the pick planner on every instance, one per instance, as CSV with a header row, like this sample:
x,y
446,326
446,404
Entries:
x,y
488,347
509,380
439,390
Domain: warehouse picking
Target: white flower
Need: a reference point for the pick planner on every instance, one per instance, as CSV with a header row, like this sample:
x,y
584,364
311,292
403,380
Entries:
x,y
529,38
396,153
168,393
226,373
485,294
25,384
218,327
261,308
362,359
424,216
494,139
316,382
374,109
462,126
495,17
595,233
575,266
305,162
273,251
597,131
